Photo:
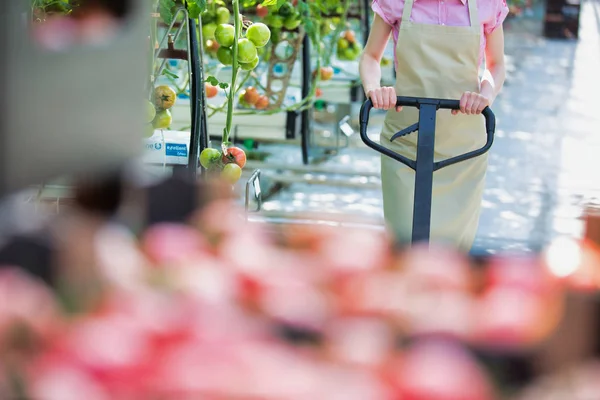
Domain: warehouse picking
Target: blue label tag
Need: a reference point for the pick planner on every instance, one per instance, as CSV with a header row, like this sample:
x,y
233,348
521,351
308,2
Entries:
x,y
177,150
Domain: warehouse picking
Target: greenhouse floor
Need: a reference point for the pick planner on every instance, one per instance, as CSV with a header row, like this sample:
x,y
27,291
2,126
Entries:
x,y
542,165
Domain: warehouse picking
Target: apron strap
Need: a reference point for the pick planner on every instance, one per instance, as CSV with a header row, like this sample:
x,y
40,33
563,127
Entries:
x,y
473,15
408,5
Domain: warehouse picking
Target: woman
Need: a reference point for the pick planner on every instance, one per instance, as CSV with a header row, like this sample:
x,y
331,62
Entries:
x,y
439,48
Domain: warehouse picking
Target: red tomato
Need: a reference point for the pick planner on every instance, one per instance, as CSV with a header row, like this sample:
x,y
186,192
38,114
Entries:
x,y
235,155
262,11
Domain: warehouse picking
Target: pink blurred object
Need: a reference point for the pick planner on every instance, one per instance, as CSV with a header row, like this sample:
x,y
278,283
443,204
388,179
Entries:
x,y
112,350
525,273
25,300
381,293
437,267
56,33
62,381
508,318
448,313
441,370
354,250
173,244
120,259
362,342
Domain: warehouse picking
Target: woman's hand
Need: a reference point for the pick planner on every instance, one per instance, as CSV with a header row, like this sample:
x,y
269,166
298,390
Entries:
x,y
383,98
472,103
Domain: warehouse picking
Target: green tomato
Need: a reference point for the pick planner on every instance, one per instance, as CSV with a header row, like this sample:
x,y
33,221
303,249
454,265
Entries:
x,y
246,51
343,44
208,31
326,27
275,36
225,35
225,56
210,157
350,54
290,23
231,173
208,17
150,110
274,21
286,9
259,34
251,65
223,15
241,99
148,130
162,120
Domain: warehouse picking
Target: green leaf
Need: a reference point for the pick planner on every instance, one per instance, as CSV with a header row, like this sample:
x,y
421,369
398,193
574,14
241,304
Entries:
x,y
280,3
223,85
212,80
267,3
164,8
195,8
168,73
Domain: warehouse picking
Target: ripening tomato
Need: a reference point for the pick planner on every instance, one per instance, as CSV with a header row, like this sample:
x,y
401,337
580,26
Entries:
x,y
262,103
350,36
251,95
211,91
231,173
164,97
235,155
326,73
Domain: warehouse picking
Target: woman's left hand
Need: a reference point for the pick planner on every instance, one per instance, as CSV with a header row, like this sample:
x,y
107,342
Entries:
x,y
472,103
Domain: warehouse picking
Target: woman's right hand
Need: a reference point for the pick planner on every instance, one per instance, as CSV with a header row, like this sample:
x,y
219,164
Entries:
x,y
383,98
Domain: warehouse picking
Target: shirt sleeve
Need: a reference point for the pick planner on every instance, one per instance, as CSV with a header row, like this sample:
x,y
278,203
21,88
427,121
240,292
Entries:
x,y
499,13
384,9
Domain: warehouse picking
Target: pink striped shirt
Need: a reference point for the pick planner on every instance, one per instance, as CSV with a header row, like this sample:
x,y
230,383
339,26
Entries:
x,y
444,12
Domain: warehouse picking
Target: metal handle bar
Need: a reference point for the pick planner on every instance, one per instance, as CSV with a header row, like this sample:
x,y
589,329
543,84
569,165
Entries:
x,y
490,127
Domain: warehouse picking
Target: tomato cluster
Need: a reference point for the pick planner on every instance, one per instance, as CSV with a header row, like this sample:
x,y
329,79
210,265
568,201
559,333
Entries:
x,y
348,49
250,97
219,36
158,114
227,164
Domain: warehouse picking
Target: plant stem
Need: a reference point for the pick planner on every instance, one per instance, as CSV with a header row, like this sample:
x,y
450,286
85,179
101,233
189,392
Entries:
x,y
236,24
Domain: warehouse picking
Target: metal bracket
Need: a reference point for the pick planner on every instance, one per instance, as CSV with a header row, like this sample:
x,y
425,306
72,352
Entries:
x,y
406,131
254,181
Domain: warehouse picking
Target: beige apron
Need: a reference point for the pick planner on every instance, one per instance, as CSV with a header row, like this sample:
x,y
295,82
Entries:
x,y
436,61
